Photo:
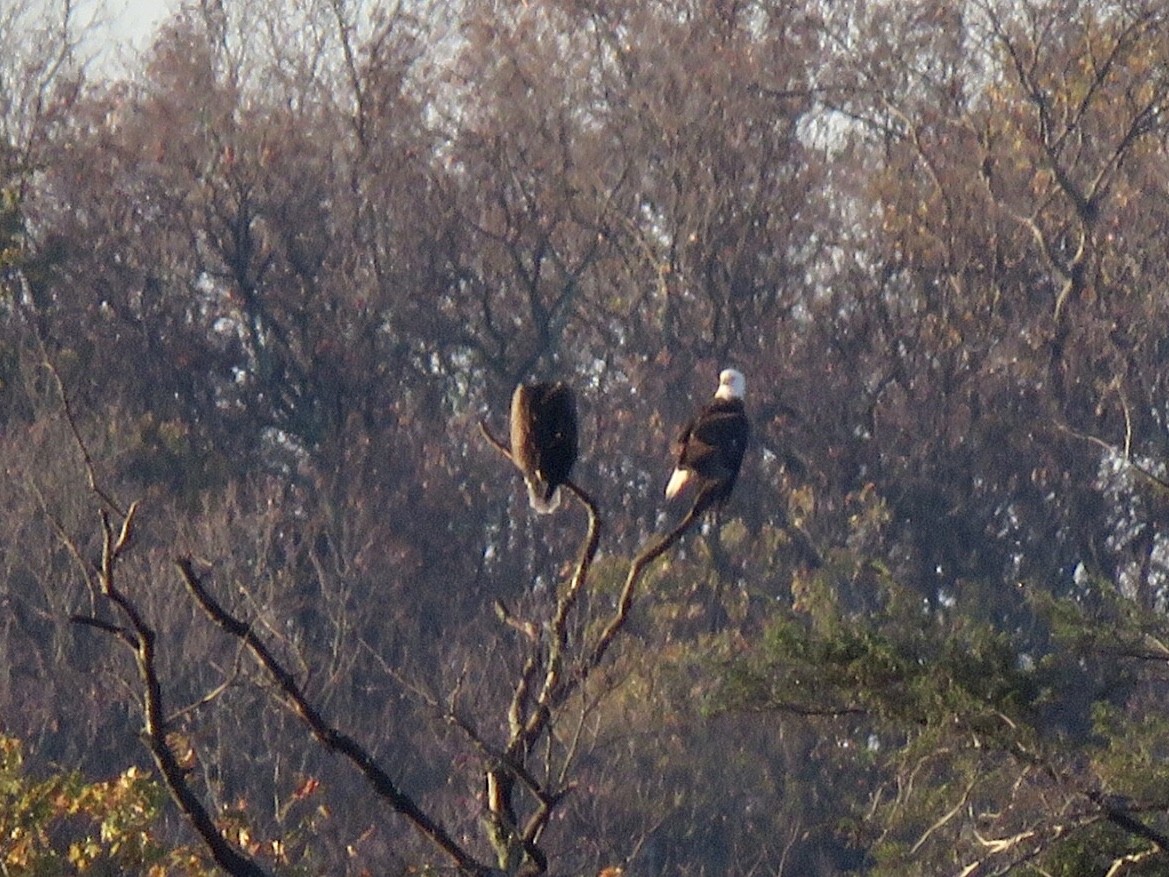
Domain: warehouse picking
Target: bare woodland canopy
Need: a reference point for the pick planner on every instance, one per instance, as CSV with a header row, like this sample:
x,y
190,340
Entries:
x,y
268,281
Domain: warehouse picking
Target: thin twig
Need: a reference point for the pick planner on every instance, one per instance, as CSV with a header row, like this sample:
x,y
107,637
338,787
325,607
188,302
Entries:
x,y
330,737
528,725
945,817
636,569
87,458
566,602
139,637
1124,455
207,698
1123,818
122,633
499,445
558,686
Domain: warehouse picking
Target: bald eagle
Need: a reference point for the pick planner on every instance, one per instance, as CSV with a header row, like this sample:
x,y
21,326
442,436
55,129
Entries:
x,y
544,439
710,448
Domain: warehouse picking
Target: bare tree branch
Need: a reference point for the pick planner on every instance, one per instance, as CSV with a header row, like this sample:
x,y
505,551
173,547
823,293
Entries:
x,y
329,736
87,458
559,686
1123,818
139,637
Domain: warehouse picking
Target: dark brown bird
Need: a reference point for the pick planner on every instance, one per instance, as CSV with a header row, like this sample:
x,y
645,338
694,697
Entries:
x,y
710,448
544,439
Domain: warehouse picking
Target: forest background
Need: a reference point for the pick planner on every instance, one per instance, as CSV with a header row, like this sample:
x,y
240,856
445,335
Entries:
x,y
259,290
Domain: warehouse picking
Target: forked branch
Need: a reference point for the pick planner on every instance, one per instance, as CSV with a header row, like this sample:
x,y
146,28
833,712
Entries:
x,y
530,717
329,736
139,637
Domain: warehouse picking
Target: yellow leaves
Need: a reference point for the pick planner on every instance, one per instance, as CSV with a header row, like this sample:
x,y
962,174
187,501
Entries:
x,y
734,534
19,850
183,748
83,854
1041,180
801,503
306,788
124,810
11,226
869,515
11,756
236,827
113,824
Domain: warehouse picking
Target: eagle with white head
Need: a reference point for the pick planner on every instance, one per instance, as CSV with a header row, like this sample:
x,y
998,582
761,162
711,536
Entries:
x,y
710,449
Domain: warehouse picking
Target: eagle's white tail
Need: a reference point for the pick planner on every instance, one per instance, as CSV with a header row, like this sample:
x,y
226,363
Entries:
x,y
536,498
678,480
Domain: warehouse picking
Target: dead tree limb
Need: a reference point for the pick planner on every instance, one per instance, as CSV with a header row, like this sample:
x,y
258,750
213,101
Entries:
x,y
1123,818
330,737
636,570
86,457
531,713
140,637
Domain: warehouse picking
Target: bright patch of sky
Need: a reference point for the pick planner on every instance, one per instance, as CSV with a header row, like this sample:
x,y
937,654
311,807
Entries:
x,y
112,34
134,21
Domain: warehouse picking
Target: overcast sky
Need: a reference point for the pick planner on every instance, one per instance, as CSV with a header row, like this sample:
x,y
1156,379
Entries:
x,y
124,27
136,19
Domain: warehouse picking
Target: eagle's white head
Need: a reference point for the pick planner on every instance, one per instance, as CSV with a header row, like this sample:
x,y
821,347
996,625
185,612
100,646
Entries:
x,y
731,384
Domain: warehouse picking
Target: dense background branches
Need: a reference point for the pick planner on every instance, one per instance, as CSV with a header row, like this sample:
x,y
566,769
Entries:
x,y
270,279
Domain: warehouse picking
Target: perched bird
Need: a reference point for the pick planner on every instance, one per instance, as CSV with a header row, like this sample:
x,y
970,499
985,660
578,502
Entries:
x,y
544,439
710,448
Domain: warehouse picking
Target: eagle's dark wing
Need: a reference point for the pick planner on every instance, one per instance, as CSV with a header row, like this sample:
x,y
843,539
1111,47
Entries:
x,y
555,425
714,443
544,439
